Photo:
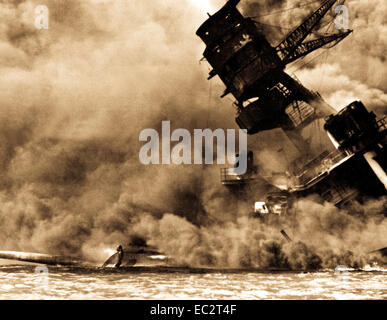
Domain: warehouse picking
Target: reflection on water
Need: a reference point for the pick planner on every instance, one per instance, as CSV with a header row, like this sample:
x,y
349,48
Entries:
x,y
22,282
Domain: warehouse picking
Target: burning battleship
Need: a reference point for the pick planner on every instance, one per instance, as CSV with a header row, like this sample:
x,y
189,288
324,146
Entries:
x,y
353,166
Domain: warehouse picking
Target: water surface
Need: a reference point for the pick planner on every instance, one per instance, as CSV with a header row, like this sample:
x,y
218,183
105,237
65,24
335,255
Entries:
x,y
27,282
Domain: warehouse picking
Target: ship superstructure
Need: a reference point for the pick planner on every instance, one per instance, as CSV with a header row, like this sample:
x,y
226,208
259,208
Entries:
x,y
267,98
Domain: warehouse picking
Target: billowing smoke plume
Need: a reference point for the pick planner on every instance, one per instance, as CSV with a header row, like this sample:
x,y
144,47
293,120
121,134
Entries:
x,y
322,237
74,99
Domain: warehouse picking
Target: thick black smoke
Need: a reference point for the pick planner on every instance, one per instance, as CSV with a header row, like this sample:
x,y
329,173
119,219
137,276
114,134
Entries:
x,y
74,99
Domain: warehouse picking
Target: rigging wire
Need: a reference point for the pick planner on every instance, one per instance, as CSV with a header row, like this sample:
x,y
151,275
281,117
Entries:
x,y
318,124
198,202
286,9
319,129
308,62
315,32
272,25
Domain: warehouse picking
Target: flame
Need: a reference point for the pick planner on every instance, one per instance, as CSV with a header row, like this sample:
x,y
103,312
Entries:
x,y
110,252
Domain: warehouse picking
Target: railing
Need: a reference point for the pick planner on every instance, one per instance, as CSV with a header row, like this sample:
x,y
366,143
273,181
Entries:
x,y
338,196
228,177
324,165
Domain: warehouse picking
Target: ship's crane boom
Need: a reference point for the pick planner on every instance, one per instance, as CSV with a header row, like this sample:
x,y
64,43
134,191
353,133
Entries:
x,y
293,40
307,47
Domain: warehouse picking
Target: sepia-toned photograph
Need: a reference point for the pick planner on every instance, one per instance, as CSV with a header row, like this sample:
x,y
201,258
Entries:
x,y
223,150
